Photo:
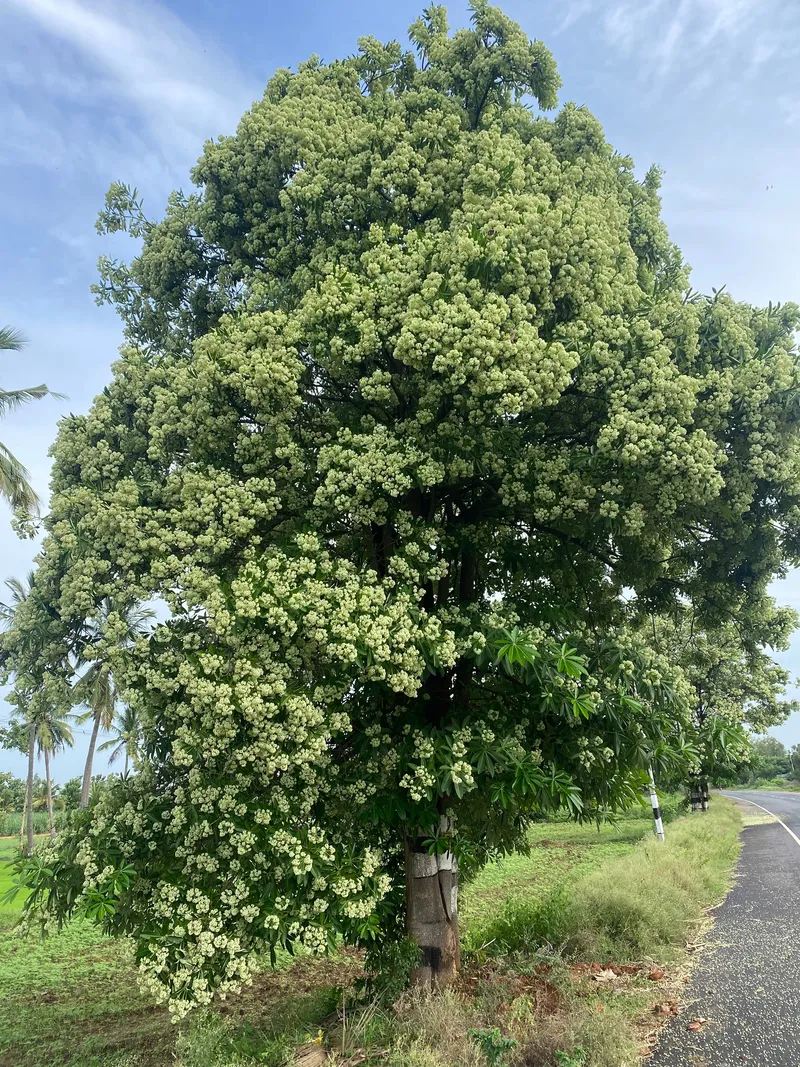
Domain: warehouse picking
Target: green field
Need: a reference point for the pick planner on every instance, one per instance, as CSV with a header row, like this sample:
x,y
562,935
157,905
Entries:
x,y
7,850
73,999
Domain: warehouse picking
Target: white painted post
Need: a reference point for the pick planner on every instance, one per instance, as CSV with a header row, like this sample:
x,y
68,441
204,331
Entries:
x,y
656,809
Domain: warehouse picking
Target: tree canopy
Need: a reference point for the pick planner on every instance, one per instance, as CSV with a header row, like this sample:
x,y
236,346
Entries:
x,y
736,686
416,407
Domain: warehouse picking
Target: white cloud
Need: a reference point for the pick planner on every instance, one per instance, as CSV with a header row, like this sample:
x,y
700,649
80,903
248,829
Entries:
x,y
91,82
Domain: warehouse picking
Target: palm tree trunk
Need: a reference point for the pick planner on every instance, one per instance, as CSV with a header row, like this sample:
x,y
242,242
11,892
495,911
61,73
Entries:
x,y
126,761
50,818
87,772
29,790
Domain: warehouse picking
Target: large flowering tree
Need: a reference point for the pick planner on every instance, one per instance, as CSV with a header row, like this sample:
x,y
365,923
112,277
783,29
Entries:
x,y
736,686
415,400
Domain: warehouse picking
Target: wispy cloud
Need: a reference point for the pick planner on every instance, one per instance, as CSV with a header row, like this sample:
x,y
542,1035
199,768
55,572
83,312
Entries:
x,y
88,81
690,37
790,108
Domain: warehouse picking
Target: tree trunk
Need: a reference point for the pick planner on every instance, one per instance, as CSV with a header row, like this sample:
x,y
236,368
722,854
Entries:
x,y
126,761
432,914
50,818
29,790
87,771
694,794
704,794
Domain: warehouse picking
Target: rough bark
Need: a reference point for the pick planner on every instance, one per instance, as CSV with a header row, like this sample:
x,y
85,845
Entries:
x,y
703,794
50,817
29,790
87,771
432,914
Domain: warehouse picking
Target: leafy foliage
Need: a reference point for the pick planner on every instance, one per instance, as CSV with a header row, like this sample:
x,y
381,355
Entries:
x,y
12,792
735,682
494,1045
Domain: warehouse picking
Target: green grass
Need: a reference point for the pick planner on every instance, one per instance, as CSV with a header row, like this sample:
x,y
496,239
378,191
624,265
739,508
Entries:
x,y
640,904
531,889
73,1001
9,850
72,998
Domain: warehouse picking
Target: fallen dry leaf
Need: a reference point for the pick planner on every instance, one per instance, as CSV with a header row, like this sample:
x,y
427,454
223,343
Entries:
x,y
696,1024
656,974
666,1007
605,975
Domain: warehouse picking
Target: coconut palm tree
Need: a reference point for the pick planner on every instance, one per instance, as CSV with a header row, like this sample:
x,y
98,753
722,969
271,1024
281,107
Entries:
x,y
14,483
126,738
27,815
20,591
52,734
37,724
96,687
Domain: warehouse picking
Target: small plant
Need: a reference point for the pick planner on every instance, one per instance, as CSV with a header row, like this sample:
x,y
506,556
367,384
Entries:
x,y
576,1058
388,970
493,1044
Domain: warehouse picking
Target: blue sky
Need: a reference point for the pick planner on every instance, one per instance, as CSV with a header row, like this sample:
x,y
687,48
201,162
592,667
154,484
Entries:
x,y
93,91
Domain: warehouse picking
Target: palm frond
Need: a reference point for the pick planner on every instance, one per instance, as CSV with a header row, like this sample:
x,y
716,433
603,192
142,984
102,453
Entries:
x,y
13,399
11,340
95,688
127,735
20,588
20,591
53,734
119,748
14,484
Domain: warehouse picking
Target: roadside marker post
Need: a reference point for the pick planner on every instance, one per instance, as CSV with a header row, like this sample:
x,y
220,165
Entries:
x,y
656,808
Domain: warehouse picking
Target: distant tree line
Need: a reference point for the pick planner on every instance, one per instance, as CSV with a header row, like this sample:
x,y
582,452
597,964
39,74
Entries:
x,y
66,797
769,759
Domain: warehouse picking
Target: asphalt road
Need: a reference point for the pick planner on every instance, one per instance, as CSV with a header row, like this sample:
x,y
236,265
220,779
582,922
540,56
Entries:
x,y
746,984
785,805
